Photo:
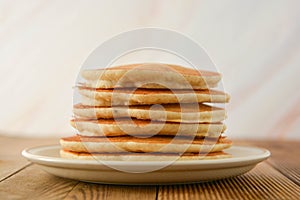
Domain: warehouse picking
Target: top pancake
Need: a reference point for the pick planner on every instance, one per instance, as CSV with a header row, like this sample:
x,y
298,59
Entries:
x,y
150,75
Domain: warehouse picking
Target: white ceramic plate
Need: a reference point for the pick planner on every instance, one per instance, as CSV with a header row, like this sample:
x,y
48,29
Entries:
x,y
243,160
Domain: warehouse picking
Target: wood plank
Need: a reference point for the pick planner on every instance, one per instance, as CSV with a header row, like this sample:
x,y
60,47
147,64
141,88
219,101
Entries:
x,y
33,183
11,159
284,157
264,182
8,167
99,191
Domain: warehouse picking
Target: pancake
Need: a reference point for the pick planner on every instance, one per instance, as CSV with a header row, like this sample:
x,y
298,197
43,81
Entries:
x,y
141,156
135,144
169,112
109,127
150,75
108,97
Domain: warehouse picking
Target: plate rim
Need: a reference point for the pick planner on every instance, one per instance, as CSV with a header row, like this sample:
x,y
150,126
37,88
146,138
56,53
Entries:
x,y
87,164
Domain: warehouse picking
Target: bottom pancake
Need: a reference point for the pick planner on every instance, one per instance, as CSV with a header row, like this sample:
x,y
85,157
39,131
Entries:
x,y
141,156
152,144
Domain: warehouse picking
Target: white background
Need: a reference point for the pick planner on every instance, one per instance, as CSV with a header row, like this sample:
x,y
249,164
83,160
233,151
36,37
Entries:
x,y
255,44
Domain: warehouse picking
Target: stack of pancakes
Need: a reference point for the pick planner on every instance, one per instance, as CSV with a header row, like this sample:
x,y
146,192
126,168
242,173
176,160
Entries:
x,y
148,112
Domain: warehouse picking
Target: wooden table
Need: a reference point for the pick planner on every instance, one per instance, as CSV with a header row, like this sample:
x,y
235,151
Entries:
x,y
276,178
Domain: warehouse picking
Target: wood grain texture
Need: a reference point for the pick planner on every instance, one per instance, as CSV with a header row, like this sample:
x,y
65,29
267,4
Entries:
x,y
264,182
33,183
284,157
99,191
10,153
